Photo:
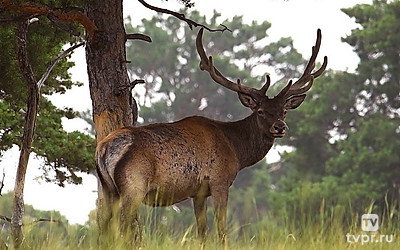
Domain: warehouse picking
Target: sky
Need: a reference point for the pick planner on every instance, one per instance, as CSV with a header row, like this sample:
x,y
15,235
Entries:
x,y
298,19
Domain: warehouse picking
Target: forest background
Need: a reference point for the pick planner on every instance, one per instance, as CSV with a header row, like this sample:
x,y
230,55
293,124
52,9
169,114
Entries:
x,y
340,158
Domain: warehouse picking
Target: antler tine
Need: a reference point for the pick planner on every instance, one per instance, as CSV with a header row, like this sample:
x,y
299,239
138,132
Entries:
x,y
322,68
304,83
284,91
206,64
264,88
315,49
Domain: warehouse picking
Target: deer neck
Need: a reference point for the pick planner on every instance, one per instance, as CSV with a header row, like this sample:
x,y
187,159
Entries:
x,y
249,142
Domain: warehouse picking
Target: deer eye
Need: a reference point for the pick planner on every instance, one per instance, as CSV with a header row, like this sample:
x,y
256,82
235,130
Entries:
x,y
260,112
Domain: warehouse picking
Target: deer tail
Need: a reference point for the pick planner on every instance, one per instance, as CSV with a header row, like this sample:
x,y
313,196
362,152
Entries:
x,y
106,181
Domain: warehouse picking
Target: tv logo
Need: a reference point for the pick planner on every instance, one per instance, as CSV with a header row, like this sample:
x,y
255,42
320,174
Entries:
x,y
370,222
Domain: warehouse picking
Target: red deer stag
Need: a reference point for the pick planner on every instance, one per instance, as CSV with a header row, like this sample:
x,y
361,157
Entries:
x,y
162,164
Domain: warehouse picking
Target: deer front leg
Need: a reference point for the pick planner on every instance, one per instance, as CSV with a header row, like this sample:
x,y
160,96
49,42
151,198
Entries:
x,y
220,199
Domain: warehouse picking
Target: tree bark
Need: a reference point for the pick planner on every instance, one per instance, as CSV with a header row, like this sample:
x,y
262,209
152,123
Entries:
x,y
32,103
113,105
112,101
29,130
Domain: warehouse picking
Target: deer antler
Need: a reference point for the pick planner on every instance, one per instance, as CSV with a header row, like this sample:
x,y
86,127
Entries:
x,y
206,64
301,86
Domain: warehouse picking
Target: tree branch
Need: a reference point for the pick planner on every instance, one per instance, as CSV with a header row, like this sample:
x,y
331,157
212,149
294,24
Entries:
x,y
129,86
42,220
8,219
32,103
53,63
22,54
56,15
138,36
2,183
64,26
182,17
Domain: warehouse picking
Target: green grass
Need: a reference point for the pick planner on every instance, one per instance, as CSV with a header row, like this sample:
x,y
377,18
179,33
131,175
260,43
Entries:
x,y
267,237
325,229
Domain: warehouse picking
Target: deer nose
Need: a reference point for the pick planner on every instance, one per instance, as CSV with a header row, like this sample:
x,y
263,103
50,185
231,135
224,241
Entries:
x,y
279,127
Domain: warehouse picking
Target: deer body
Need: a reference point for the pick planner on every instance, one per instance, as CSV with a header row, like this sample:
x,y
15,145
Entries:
x,y
165,163
168,163
174,158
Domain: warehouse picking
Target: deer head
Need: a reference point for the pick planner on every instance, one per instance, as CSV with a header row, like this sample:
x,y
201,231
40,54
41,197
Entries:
x,y
270,112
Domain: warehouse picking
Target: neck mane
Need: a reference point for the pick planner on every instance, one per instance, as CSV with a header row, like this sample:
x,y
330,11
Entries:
x,y
250,143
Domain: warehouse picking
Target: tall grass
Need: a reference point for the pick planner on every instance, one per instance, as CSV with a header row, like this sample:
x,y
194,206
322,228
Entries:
x,y
325,229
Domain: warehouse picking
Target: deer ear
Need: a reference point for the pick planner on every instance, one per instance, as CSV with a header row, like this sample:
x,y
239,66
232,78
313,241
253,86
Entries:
x,y
294,101
247,100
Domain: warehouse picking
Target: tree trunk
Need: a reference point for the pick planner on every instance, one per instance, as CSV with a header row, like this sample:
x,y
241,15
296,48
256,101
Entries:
x,y
113,105
112,101
29,130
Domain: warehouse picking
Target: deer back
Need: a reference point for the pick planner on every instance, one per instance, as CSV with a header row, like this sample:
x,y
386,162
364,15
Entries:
x,y
168,156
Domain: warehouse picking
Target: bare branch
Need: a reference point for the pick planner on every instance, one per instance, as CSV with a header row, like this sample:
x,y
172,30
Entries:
x,y
2,183
8,219
138,36
129,86
43,220
182,17
136,81
53,63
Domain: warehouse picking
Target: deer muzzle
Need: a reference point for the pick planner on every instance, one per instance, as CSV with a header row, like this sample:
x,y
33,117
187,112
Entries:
x,y
278,129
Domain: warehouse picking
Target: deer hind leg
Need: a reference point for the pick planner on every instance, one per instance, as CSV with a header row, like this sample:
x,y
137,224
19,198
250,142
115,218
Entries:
x,y
129,223
104,215
200,210
220,200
